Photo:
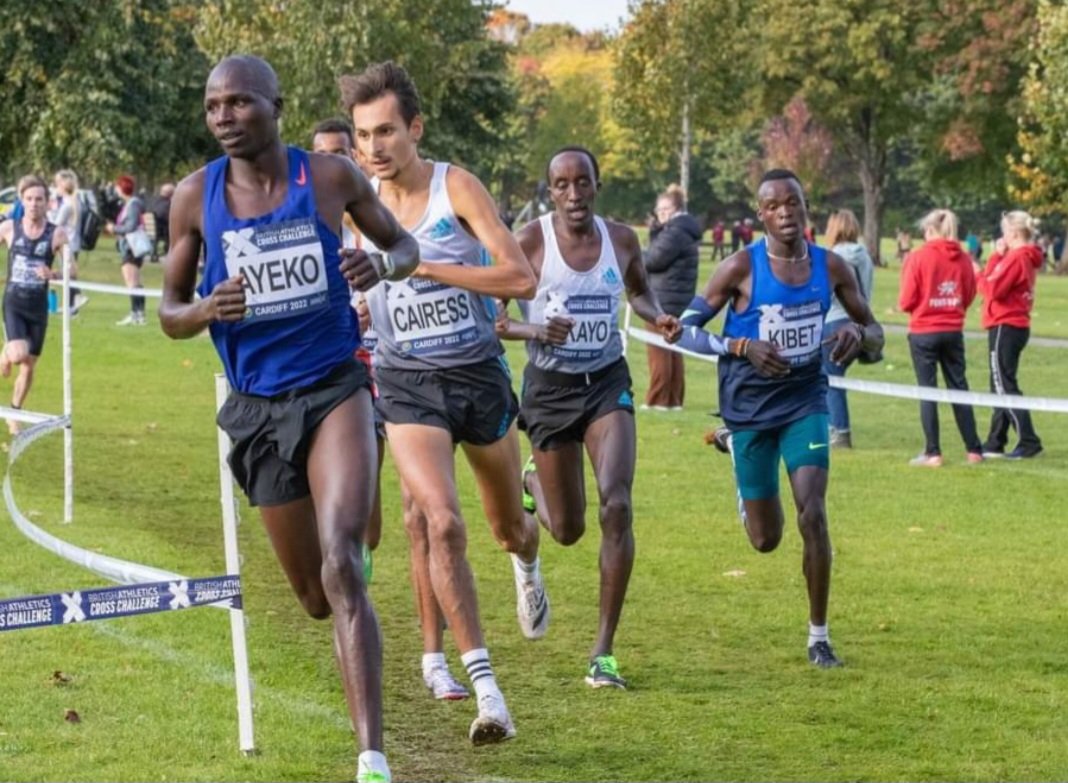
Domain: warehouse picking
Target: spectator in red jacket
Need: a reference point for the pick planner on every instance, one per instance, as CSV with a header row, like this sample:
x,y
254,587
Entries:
x,y
1007,285
937,286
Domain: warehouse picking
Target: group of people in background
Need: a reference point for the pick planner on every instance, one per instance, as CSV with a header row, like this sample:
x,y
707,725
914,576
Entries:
x,y
939,282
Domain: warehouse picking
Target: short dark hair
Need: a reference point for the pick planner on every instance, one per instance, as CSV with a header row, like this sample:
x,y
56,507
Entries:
x,y
375,81
774,174
333,125
582,151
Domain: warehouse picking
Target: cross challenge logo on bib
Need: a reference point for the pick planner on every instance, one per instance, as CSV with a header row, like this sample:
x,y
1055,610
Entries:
x,y
283,267
795,329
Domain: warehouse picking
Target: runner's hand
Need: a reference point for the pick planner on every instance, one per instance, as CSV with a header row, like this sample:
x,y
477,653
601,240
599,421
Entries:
x,y
669,327
847,343
556,330
363,315
227,300
358,268
767,360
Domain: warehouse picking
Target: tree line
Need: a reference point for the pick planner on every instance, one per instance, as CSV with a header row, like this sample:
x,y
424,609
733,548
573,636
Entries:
x,y
885,105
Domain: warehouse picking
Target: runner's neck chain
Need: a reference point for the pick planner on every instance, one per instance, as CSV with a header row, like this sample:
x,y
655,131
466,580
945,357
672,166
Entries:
x,y
788,259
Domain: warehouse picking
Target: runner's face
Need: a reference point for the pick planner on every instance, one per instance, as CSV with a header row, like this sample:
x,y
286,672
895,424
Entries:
x,y
385,143
35,202
573,188
332,144
781,208
239,114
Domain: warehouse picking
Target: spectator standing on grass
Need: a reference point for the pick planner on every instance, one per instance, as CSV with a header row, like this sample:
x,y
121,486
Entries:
x,y
937,287
69,218
1007,285
843,235
161,209
671,265
719,247
129,220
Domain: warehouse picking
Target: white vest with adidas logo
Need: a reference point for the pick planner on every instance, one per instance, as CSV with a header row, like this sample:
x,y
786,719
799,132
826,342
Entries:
x,y
425,325
590,299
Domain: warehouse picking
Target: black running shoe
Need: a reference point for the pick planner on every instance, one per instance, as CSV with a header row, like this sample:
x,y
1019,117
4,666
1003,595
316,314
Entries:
x,y
1024,453
821,654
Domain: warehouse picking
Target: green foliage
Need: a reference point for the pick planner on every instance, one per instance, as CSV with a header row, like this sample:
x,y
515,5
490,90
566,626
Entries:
x,y
461,74
1041,168
677,56
102,87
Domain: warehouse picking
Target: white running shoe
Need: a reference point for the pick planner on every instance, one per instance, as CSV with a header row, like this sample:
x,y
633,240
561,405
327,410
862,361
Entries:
x,y
139,319
532,606
129,320
80,301
493,723
443,685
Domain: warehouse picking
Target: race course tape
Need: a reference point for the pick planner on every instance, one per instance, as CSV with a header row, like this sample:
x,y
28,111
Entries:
x,y
900,390
106,603
123,572
104,288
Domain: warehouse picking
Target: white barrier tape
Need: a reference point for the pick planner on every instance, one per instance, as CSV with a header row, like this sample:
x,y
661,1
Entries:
x,y
29,417
900,390
104,288
120,571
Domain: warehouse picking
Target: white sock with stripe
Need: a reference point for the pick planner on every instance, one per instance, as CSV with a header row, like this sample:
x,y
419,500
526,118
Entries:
x,y
479,670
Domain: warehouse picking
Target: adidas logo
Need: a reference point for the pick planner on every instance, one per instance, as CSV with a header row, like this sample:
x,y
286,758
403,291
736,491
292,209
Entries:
x,y
610,276
442,229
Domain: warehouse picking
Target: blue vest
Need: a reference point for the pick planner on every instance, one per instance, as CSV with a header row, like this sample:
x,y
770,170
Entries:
x,y
791,316
298,323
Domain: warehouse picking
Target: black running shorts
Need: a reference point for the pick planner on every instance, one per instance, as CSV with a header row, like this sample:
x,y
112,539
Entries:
x,y
24,323
270,434
474,403
558,407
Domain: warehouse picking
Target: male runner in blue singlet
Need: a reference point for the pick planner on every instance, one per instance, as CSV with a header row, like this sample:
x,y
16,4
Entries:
x,y
772,389
275,294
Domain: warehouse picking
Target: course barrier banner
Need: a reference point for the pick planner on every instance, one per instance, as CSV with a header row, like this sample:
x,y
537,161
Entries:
x,y
900,390
105,603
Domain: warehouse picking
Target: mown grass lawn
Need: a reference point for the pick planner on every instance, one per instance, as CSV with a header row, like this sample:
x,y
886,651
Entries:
x,y
948,604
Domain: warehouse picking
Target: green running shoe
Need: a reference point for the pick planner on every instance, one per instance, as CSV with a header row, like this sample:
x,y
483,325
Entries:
x,y
368,563
604,673
529,505
371,776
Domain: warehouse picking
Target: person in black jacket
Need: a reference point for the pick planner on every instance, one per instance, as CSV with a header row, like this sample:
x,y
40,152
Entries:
x,y
671,264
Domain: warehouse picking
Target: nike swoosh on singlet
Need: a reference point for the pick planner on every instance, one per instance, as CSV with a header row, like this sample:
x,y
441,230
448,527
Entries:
x,y
301,178
814,446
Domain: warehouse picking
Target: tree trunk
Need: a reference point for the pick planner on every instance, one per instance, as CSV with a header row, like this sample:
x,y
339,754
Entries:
x,y
685,145
872,179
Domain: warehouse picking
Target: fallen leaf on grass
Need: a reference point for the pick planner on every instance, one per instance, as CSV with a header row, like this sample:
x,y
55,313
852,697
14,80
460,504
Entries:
x,y
71,716
34,513
131,442
915,529
59,678
736,572
187,363
151,426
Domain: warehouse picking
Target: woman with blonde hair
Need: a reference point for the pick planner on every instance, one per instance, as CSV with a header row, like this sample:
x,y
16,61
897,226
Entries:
x,y
937,286
1007,285
843,235
69,218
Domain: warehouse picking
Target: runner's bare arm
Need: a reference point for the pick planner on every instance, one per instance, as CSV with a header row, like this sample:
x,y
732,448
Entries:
x,y
373,220
180,314
867,334
510,277
556,329
640,295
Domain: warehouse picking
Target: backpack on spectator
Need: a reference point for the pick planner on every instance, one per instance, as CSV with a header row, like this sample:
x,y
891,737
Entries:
x,y
90,224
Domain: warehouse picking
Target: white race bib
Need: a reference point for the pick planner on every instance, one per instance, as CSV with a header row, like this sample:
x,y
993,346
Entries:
x,y
796,329
283,267
426,316
594,318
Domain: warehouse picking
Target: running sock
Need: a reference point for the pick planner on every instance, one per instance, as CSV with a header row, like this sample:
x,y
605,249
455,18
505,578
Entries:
x,y
526,572
479,670
817,633
431,661
372,761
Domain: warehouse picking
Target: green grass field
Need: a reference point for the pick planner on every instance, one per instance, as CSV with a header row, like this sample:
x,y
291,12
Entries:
x,y
948,604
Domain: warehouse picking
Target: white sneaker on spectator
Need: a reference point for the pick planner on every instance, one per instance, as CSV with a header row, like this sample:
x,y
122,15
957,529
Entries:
x,y
129,320
80,301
